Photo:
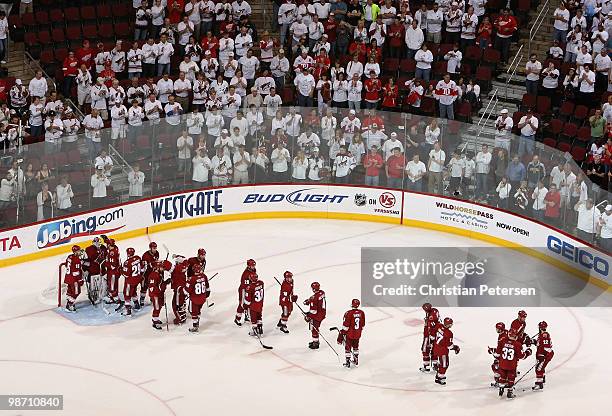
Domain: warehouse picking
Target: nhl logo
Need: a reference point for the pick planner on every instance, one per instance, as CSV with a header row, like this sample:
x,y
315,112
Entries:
x,y
360,200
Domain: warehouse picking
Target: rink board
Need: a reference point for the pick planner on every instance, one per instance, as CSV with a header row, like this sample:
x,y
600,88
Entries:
x,y
247,202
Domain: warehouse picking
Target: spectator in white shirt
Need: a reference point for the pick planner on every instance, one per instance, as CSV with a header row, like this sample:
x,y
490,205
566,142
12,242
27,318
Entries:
x,y
539,205
54,129
423,58
201,168
503,193
437,158
528,124
173,111
164,52
136,179
99,182
414,38
38,86
533,67
184,144
119,116
64,195
280,162
561,17
305,85
550,81
605,228
588,217
483,166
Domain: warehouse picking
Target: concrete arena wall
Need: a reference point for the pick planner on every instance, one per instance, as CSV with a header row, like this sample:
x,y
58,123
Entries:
x,y
342,202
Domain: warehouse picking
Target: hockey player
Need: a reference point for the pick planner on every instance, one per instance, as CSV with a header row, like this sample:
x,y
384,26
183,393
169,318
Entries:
x,y
178,275
443,343
198,290
113,271
519,324
544,353
73,278
132,273
245,280
428,328
508,352
316,314
253,300
501,334
95,255
352,325
199,259
157,287
149,258
285,301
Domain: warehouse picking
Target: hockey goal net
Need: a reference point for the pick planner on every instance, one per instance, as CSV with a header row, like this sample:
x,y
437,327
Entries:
x,y
55,293
93,289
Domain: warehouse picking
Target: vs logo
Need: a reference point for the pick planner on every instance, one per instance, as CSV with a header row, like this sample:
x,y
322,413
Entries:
x,y
387,200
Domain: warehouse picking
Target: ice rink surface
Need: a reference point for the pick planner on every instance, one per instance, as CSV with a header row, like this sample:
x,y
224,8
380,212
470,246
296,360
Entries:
x,y
127,368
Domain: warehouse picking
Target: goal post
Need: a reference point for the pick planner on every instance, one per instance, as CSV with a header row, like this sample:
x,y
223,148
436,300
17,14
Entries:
x,y
60,275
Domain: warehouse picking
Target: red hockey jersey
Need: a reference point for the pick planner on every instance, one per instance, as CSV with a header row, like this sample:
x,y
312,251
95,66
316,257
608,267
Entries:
x,y
74,272
255,296
353,323
198,288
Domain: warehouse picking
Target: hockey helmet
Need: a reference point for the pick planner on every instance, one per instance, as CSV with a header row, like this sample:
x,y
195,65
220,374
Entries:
x,y
522,314
543,326
433,312
153,245
201,252
355,303
427,307
288,275
448,322
251,263
130,252
315,286
96,241
500,327
111,242
76,249
254,277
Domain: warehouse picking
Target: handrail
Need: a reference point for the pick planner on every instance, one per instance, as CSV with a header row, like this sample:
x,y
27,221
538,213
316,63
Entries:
x,y
487,107
115,153
537,23
514,59
29,60
511,77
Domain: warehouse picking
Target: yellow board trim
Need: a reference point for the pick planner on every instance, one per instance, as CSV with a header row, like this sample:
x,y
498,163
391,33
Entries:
x,y
321,215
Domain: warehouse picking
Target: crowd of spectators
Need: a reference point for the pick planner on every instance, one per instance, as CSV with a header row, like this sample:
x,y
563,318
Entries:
x,y
217,88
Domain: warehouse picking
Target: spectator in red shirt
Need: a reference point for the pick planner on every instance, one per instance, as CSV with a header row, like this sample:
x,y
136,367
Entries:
x,y
372,162
390,94
85,54
329,27
372,87
107,74
175,10
395,169
210,43
506,26
70,70
485,30
396,33
4,88
374,49
552,201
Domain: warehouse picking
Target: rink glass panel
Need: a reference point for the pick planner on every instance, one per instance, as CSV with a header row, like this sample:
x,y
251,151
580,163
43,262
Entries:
x,y
153,147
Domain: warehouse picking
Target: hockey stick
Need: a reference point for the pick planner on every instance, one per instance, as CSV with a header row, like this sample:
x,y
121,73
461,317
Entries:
x,y
335,328
267,347
316,329
212,303
527,372
166,311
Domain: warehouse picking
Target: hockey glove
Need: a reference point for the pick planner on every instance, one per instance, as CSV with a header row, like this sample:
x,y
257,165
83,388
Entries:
x,y
294,298
527,353
340,338
456,349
